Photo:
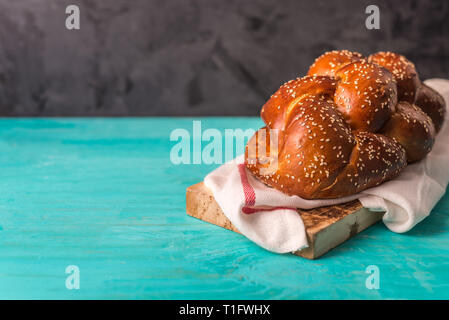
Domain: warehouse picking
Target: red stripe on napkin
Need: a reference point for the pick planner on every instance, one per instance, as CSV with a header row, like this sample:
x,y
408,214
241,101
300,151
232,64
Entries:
x,y
250,195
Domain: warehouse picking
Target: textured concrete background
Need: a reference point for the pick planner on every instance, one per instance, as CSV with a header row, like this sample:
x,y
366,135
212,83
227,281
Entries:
x,y
192,57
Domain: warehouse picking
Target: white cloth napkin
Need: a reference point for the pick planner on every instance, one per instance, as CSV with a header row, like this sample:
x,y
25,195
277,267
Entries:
x,y
265,215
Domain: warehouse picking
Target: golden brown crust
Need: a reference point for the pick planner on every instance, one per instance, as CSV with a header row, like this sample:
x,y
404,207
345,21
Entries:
x,y
340,130
282,104
328,63
317,154
432,103
413,129
403,71
365,95
375,159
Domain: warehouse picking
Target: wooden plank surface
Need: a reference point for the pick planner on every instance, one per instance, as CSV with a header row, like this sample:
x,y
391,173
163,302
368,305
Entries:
x,y
102,194
326,227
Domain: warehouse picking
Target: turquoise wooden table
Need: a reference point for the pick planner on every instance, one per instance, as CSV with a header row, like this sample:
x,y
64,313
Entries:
x,y
102,194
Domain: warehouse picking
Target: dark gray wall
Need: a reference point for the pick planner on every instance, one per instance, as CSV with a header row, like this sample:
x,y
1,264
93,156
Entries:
x,y
192,57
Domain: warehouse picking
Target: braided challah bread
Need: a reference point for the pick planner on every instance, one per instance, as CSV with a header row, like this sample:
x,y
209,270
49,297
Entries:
x,y
350,124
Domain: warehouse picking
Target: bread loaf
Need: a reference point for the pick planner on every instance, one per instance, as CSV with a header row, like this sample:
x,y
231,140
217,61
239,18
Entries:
x,y
350,124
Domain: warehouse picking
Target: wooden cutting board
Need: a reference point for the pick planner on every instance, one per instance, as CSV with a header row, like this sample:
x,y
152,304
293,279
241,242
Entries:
x,y
326,227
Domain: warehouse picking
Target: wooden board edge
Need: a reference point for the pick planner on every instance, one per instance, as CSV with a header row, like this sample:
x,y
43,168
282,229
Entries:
x,y
196,207
341,231
203,206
